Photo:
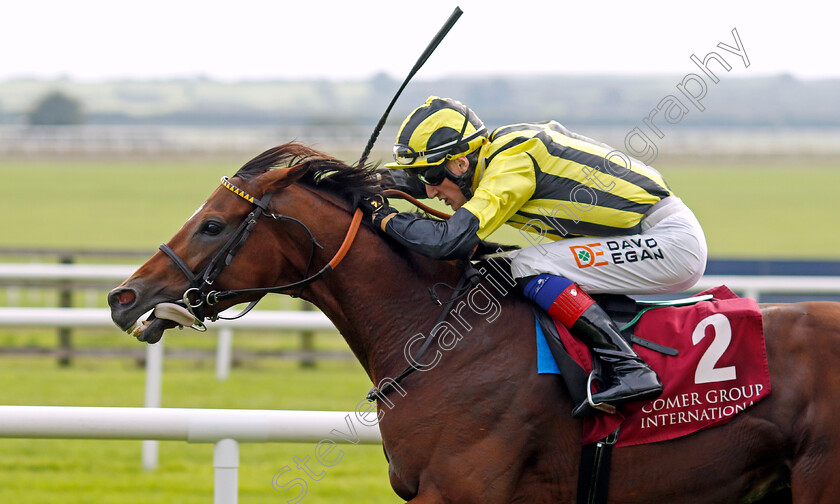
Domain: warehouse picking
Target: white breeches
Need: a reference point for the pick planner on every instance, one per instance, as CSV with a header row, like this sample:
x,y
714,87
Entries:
x,y
669,255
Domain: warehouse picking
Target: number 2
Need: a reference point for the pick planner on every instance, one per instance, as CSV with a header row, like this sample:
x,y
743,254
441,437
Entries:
x,y
706,371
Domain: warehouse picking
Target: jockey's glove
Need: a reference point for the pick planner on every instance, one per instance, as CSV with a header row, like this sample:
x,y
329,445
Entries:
x,y
377,210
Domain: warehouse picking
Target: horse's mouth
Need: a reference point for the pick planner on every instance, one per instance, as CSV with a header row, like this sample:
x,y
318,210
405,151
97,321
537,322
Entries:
x,y
150,330
164,316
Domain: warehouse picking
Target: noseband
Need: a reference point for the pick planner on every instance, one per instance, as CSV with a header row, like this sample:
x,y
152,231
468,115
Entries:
x,y
202,302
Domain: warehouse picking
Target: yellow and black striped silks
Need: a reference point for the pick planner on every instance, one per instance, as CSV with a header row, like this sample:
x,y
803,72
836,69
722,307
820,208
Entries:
x,y
544,178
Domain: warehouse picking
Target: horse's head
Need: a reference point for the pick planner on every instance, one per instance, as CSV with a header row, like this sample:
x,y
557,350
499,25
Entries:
x,y
256,217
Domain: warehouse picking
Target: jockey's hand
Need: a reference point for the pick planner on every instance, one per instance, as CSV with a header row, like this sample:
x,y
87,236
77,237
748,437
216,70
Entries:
x,y
376,209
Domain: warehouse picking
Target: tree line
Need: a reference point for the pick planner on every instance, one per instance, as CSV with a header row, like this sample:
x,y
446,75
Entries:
x,y
777,101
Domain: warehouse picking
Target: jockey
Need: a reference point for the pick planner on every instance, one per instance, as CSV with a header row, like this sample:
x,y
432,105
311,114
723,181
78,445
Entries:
x,y
605,223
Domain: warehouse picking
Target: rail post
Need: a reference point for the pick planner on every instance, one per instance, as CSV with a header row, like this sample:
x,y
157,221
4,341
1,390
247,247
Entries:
x,y
65,300
226,472
150,448
224,353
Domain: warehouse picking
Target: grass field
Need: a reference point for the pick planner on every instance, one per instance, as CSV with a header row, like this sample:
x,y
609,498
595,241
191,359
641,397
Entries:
x,y
749,208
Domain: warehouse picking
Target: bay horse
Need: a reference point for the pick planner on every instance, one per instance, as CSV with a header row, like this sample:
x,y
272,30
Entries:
x,y
479,424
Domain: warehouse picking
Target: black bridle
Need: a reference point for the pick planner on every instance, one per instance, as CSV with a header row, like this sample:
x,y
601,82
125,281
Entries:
x,y
199,297
202,301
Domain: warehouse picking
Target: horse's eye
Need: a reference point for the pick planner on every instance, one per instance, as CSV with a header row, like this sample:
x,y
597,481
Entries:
x,y
212,228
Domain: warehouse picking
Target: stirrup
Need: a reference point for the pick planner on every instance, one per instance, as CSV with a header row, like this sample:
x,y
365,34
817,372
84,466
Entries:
x,y
590,407
606,408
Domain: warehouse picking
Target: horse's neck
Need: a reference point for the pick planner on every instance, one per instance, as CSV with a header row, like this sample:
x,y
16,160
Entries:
x,y
378,300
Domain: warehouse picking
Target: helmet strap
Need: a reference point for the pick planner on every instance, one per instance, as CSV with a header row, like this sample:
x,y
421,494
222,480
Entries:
x,y
464,182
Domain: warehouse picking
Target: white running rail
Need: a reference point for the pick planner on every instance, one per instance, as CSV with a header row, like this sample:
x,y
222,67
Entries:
x,y
225,428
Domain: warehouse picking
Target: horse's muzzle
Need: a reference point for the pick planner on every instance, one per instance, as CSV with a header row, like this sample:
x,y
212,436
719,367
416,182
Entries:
x,y
122,300
127,313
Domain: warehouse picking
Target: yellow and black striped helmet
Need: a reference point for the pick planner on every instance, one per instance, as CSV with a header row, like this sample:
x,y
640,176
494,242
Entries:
x,y
436,131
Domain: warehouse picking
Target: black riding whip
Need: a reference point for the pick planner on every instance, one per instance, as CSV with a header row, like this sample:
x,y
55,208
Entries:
x,y
420,61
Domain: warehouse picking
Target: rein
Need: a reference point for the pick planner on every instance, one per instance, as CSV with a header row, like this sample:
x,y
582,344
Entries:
x,y
468,280
396,193
199,297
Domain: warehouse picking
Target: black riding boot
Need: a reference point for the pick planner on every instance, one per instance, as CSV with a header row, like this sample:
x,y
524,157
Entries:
x,y
628,377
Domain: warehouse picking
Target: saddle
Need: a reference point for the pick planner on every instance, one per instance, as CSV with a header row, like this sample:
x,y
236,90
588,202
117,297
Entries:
x,y
701,386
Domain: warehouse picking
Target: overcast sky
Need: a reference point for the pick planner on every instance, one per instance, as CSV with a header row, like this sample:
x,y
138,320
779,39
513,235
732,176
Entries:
x,y
347,39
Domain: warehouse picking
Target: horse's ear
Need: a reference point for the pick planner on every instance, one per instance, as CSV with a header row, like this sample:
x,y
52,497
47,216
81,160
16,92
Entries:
x,y
279,178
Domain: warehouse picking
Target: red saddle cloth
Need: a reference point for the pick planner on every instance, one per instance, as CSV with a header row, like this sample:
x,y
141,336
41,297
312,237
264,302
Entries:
x,y
721,370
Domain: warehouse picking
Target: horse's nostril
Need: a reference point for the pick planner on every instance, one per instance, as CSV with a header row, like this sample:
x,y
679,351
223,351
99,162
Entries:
x,y
125,297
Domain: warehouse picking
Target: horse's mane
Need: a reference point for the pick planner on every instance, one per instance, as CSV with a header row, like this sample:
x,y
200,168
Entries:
x,y
351,183
321,171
